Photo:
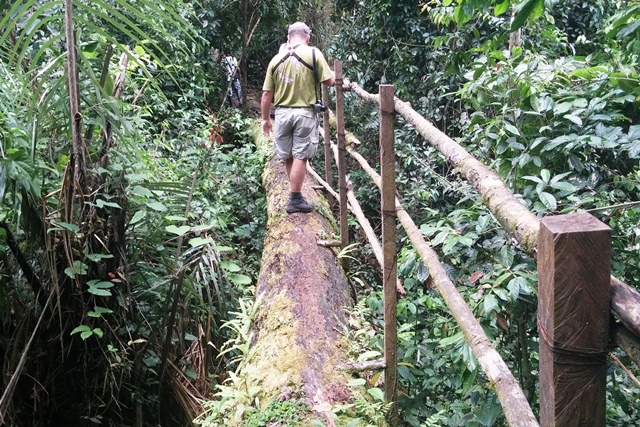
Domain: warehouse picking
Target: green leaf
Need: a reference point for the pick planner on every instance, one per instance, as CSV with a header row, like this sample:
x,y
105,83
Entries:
x,y
98,332
191,374
575,119
501,8
376,393
368,355
240,279
548,201
71,227
562,107
356,382
515,285
229,266
444,342
81,328
101,204
462,14
99,288
546,175
86,334
100,292
175,218
490,303
563,186
156,206
511,128
98,257
178,230
440,237
535,103
142,191
532,9
532,178
199,241
138,216
101,284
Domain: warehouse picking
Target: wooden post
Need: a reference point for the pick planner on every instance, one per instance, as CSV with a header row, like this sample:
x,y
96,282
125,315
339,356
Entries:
x,y
390,259
574,263
327,145
342,173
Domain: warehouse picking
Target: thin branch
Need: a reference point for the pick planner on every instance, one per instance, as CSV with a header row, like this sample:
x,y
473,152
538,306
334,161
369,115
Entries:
x,y
625,369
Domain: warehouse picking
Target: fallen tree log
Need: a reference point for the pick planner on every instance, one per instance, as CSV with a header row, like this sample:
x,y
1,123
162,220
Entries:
x,y
302,290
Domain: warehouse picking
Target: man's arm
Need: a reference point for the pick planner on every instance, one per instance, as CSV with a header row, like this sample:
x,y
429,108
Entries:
x,y
265,106
330,81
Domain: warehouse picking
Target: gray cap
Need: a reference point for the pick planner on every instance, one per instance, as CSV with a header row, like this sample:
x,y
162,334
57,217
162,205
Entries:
x,y
299,28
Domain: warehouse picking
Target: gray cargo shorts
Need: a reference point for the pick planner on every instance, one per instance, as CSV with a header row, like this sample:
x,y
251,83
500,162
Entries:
x,y
296,133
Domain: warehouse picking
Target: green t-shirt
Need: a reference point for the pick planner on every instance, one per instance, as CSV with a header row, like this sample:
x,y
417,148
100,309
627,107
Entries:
x,y
292,82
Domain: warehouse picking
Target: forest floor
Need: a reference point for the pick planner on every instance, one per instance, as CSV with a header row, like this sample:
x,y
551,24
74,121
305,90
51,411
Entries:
x,y
252,100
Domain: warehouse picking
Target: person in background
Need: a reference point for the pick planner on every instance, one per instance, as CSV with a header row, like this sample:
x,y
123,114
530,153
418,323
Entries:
x,y
291,83
233,77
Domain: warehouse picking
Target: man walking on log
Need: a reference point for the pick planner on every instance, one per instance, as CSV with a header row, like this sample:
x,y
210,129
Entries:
x,y
291,83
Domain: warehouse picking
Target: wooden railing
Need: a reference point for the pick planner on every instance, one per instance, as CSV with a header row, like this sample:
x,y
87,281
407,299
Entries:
x,y
577,294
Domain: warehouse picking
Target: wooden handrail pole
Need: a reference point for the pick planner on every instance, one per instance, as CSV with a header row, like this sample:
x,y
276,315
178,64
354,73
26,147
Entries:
x,y
342,173
390,258
327,144
574,267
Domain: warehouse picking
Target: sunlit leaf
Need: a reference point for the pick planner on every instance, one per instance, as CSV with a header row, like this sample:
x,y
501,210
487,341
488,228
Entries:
x,y
138,216
156,206
199,241
533,9
178,230
240,279
376,393
368,355
548,201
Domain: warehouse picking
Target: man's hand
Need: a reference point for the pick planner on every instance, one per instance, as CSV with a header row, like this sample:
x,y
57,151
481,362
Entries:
x,y
265,107
266,127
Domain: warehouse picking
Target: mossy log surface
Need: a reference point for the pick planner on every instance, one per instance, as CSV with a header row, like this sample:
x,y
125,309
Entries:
x,y
303,292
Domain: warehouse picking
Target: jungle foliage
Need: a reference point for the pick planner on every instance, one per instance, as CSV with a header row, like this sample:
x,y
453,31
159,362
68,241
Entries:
x,y
556,117
119,290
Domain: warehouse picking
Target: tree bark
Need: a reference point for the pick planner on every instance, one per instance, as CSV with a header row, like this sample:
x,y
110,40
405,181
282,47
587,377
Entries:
x,y
302,291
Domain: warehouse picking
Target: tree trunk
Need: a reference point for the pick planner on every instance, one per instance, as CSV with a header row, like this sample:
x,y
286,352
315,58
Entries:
x,y
302,290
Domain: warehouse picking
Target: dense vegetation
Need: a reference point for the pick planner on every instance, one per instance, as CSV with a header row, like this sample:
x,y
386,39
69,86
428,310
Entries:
x,y
129,249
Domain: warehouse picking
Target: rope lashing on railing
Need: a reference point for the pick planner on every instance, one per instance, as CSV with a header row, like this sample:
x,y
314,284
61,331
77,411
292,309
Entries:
x,y
572,355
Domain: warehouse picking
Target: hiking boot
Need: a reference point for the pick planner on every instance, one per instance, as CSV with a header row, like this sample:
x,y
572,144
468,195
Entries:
x,y
299,205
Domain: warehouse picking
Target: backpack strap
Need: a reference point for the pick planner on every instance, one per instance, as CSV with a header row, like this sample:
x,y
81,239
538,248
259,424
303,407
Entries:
x,y
293,53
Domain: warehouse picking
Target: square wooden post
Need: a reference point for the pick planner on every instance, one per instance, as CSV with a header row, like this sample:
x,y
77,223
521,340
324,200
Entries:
x,y
574,268
341,161
390,256
328,176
